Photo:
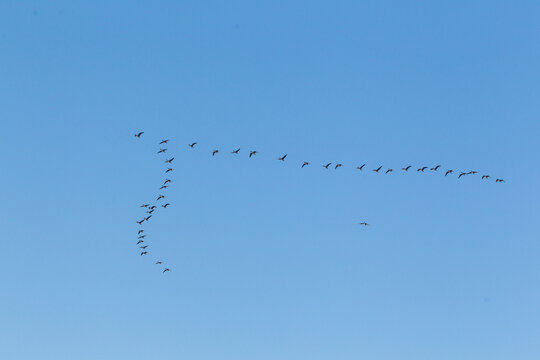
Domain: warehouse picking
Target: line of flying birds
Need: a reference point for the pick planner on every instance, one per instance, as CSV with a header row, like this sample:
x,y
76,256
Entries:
x,y
150,208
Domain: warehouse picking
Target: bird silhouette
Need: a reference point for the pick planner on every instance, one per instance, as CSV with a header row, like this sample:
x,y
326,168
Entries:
x,y
140,232
143,247
448,172
164,141
140,241
485,177
338,165
165,205
435,168
361,167
158,262
472,172
500,180
145,205
142,237
305,164
327,165
163,187
138,135
422,169
161,151
388,171
140,222
192,145
167,181
166,269
377,169
169,161
462,174
150,211
144,253
251,153
160,197
169,169
406,168
148,218
215,152
282,158
235,151
152,207
364,223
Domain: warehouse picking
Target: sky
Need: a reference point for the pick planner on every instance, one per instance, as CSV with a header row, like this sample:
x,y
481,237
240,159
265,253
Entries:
x,y
268,260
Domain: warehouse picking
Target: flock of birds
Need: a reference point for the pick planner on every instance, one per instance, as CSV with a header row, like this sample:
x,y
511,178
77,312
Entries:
x,y
150,208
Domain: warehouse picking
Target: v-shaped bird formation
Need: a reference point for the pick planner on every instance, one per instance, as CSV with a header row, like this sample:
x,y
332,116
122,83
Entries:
x,y
379,169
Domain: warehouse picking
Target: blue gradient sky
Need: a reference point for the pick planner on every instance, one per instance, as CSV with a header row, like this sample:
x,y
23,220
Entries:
x,y
268,260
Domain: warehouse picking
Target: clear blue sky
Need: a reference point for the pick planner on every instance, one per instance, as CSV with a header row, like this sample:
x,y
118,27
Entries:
x,y
268,260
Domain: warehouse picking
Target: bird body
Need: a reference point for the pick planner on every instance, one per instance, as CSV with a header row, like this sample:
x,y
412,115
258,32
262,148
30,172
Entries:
x,y
163,187
305,164
435,168
500,180
235,151
160,197
282,158
140,232
364,223
169,161
462,174
388,171
138,135
422,169
144,253
140,241
158,262
169,169
165,270
485,177
161,151
215,152
361,167
167,181
192,145
143,247
406,168
164,141
337,166
251,153
377,169
165,205
448,172
327,165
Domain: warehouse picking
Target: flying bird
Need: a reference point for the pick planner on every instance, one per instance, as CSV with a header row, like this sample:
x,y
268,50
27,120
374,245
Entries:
x,y
406,168
148,218
377,169
165,205
161,151
305,164
143,247
282,158
158,262
462,174
215,152
152,207
164,141
163,187
448,172
142,237
140,232
485,177
144,253
389,170
170,160
140,241
338,165
169,169
422,169
160,197
327,165
139,134
435,168
364,223
140,222
361,167
145,205
500,180
192,145
472,172
235,151
150,211
166,269
251,153
167,181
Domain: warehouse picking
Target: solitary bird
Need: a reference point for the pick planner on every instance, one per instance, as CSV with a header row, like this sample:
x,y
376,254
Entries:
x,y
164,141
170,160
282,158
485,177
305,164
169,169
215,152
327,165
406,168
500,180
161,151
435,168
144,253
448,172
140,241
377,169
167,181
361,167
338,165
160,197
139,134
462,174
422,169
140,222
192,145
364,223
158,262
140,232
143,247
165,205
235,151
166,269
251,153
389,170
163,187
